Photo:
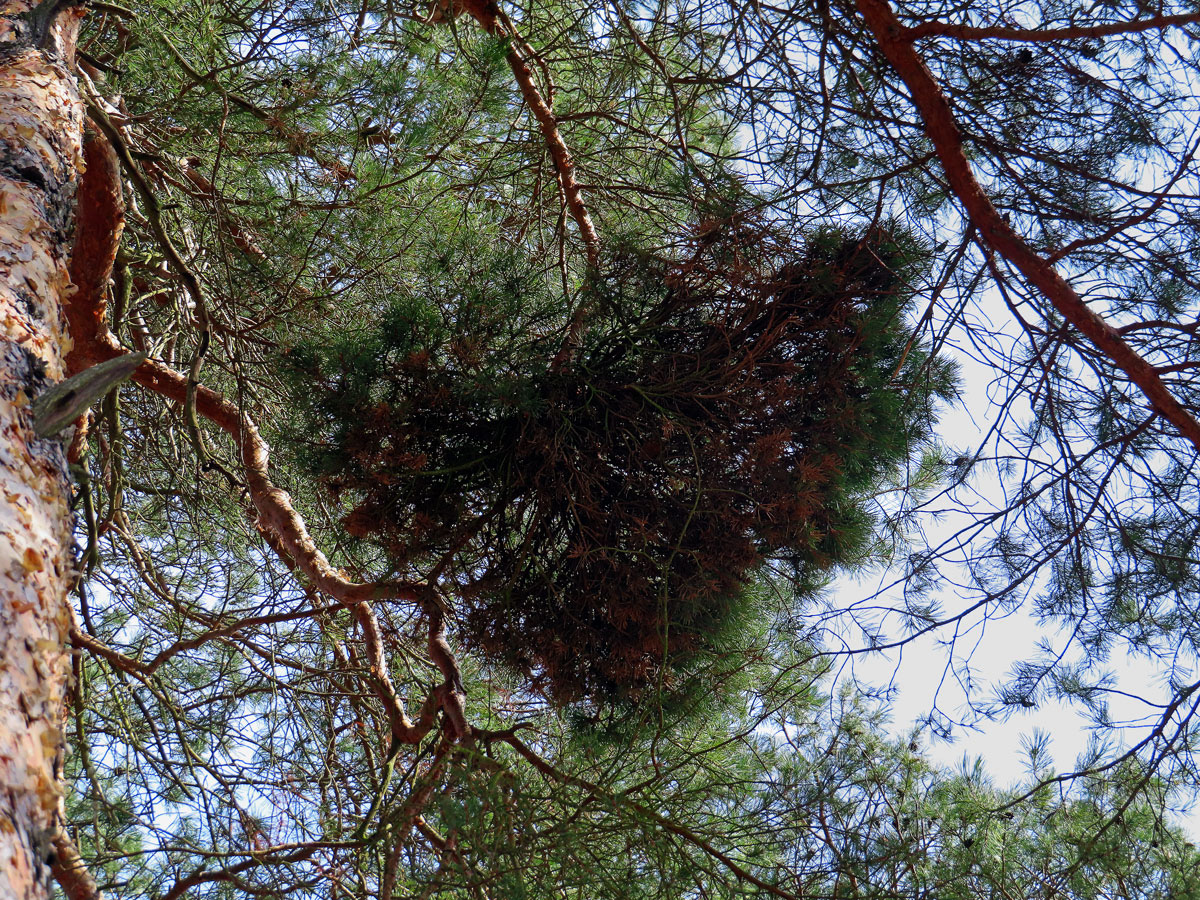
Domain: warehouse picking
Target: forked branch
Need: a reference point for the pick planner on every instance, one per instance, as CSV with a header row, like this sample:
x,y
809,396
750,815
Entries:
x,y
100,224
895,41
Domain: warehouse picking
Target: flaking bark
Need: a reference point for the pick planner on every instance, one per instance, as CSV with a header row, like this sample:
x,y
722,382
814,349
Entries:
x,y
41,122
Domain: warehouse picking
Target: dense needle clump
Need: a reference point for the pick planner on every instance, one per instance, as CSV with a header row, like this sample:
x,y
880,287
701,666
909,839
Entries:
x,y
600,518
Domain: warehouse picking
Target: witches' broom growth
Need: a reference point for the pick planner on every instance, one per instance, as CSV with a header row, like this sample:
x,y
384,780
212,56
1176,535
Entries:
x,y
602,516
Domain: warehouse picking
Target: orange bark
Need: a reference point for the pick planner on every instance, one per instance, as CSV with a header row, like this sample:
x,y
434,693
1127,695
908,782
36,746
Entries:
x,y
40,160
100,225
101,221
896,43
488,15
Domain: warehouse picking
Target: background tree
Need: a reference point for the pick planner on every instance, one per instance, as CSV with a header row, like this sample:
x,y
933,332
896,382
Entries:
x,y
404,235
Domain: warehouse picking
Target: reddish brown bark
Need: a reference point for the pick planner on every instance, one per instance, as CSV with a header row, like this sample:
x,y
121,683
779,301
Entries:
x,y
285,532
100,220
276,514
896,44
72,875
488,14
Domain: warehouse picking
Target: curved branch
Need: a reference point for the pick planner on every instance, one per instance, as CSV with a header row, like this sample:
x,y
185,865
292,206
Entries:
x,y
277,518
119,660
280,525
895,42
452,693
182,887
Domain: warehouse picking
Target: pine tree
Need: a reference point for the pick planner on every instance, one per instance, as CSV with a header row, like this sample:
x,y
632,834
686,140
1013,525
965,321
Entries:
x,y
517,379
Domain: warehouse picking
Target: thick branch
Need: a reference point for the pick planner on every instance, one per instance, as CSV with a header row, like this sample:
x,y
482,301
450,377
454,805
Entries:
x,y
72,875
403,730
276,514
284,530
99,224
896,44
278,522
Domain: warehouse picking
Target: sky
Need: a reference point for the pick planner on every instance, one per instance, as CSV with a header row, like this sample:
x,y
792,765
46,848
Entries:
x,y
922,679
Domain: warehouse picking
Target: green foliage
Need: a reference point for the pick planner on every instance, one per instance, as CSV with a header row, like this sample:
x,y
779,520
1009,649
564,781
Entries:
x,y
646,520
602,514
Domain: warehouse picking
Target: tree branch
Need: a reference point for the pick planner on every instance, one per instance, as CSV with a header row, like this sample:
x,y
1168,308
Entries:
x,y
80,638
1044,35
488,14
100,221
895,42
72,875
741,873
278,521
452,693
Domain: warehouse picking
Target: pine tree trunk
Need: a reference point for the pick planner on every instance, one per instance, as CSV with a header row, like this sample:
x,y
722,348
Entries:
x,y
40,163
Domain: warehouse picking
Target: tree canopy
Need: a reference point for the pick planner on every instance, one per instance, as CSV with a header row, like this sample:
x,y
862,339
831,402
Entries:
x,y
545,404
